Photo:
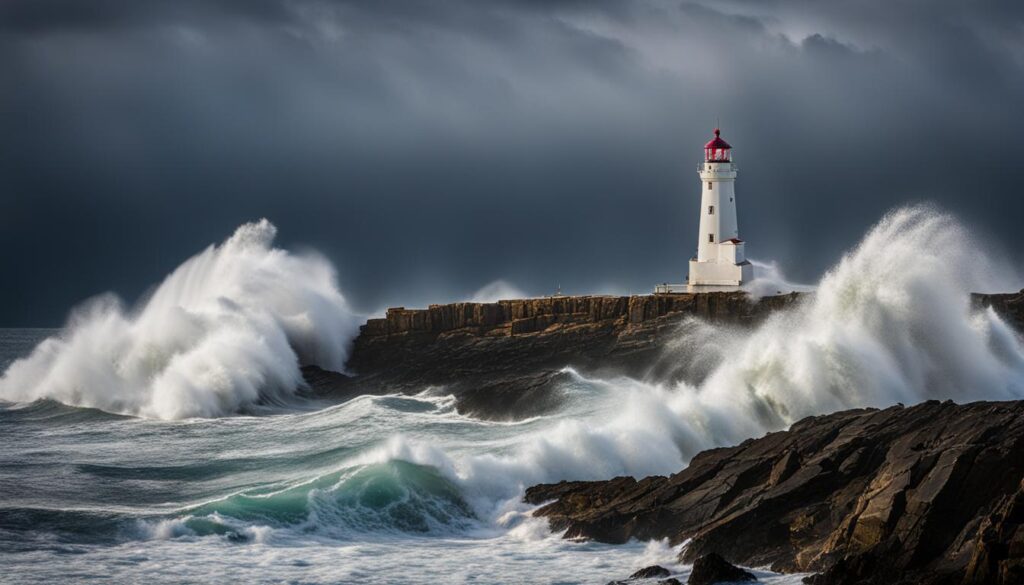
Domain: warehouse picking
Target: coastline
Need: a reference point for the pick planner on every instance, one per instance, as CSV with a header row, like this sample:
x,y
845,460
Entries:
x,y
506,360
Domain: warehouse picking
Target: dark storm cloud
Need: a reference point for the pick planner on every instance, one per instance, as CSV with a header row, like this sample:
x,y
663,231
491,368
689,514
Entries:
x,y
429,148
41,16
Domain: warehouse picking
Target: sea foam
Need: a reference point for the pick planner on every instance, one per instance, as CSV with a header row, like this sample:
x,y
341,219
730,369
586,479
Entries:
x,y
891,322
227,329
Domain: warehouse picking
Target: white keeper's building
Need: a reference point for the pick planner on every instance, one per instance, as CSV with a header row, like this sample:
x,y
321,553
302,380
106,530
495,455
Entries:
x,y
720,263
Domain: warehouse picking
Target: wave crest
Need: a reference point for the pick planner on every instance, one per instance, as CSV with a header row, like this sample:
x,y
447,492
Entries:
x,y
226,330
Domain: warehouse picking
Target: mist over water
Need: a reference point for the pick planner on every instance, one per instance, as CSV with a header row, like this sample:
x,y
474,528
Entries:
x,y
403,487
891,322
226,330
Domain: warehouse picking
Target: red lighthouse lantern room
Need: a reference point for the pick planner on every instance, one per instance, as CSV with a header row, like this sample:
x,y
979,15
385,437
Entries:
x,y
717,150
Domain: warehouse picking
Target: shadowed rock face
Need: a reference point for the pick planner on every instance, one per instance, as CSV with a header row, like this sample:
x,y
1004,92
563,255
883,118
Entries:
x,y
1009,306
648,574
651,572
504,360
999,545
926,494
712,568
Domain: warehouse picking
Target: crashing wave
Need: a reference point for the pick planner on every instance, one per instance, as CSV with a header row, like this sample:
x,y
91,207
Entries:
x,y
227,329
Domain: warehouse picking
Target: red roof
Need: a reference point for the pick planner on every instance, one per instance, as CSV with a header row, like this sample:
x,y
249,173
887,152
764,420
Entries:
x,y
717,142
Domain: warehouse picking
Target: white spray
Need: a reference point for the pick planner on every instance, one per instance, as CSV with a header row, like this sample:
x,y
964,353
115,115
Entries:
x,y
891,322
227,329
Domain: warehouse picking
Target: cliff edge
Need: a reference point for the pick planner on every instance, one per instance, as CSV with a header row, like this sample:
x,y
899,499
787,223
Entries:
x,y
505,360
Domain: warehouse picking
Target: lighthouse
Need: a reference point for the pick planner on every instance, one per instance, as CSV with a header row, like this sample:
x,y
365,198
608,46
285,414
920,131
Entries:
x,y
720,260
720,263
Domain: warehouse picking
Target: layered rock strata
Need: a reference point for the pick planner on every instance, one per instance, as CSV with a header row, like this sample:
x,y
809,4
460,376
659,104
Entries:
x,y
505,359
926,494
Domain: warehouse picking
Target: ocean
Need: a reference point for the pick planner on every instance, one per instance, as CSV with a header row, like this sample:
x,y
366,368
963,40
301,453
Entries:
x,y
166,443
315,493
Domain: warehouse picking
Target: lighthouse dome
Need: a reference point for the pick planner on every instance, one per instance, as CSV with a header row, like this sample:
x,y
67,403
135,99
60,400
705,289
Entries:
x,y
717,150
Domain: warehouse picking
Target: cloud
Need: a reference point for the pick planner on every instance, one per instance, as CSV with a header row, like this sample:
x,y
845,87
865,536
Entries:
x,y
428,147
34,17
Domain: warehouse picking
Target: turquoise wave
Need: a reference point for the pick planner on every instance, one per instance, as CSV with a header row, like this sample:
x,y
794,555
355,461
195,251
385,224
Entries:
x,y
395,496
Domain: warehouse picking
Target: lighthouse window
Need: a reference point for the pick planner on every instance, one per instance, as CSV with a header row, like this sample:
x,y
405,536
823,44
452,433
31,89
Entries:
x,y
710,185
711,209
711,238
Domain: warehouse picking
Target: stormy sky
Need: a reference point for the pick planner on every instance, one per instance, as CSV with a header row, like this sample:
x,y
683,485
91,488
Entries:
x,y
429,148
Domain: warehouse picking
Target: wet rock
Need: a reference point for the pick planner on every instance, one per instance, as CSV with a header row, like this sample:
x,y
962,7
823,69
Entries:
x,y
505,360
998,548
928,493
1009,306
712,568
651,572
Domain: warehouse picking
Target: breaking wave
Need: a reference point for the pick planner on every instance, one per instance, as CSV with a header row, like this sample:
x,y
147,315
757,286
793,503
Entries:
x,y
390,497
226,330
891,323
412,490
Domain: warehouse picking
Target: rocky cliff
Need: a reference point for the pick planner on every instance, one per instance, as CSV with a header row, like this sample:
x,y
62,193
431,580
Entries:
x,y
505,359
927,494
1010,306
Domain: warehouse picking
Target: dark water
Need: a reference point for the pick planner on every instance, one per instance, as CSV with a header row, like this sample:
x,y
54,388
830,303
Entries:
x,y
383,489
403,489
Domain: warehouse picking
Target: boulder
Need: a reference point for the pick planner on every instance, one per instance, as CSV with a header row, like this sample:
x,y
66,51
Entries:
x,y
651,572
712,568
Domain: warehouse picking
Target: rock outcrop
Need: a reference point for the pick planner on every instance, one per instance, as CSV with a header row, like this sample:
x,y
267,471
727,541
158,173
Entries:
x,y
1009,306
504,359
648,574
999,545
712,568
925,494
652,572
485,337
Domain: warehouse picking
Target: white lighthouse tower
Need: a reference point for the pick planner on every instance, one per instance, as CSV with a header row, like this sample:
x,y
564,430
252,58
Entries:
x,y
720,263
